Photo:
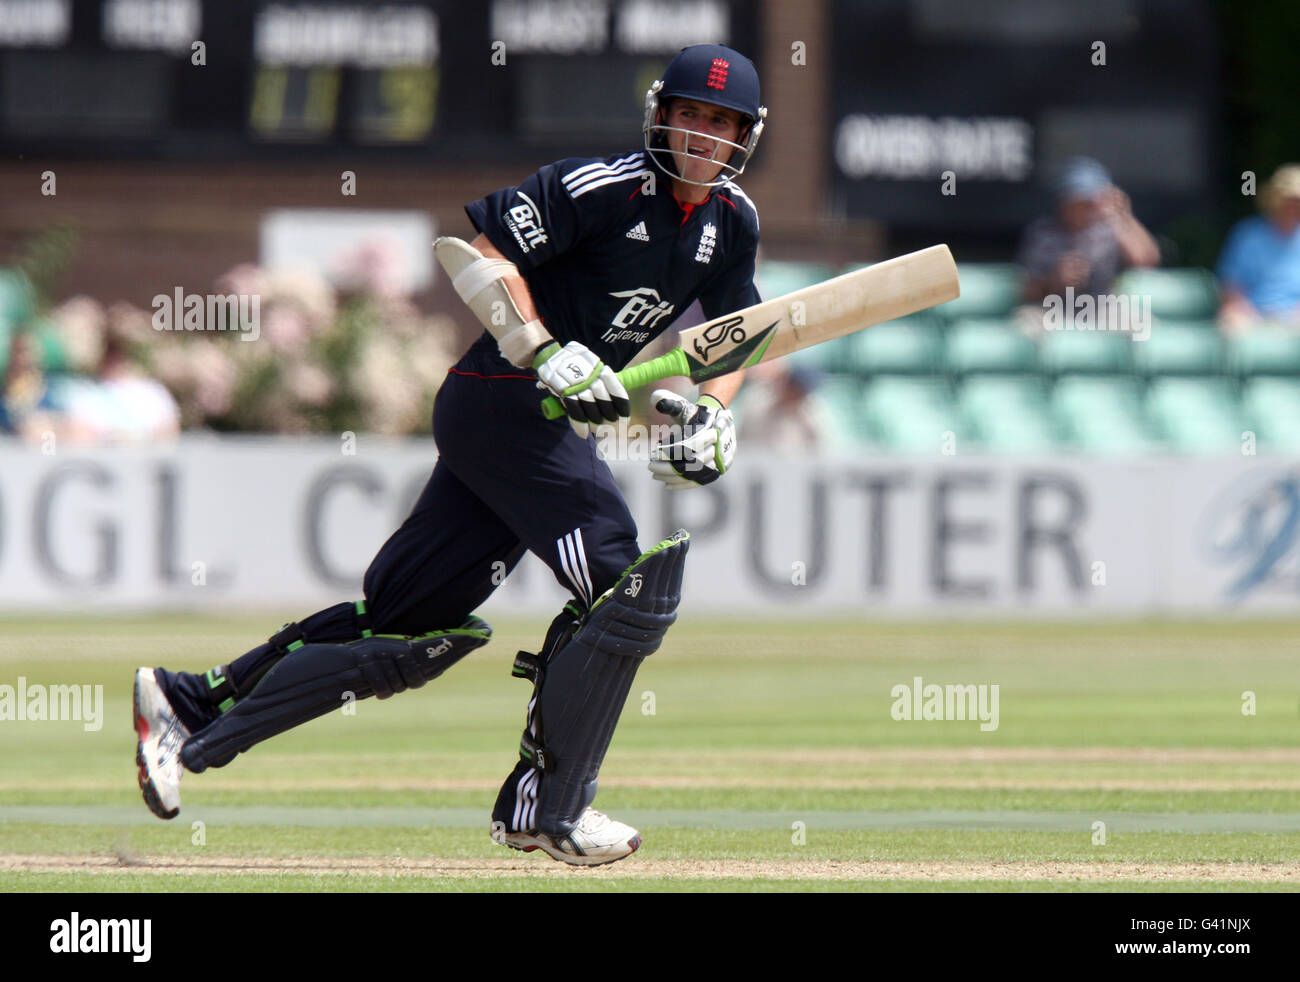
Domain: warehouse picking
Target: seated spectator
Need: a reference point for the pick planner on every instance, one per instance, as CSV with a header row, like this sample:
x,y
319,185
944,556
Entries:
x,y
1259,268
119,405
782,410
1088,242
25,398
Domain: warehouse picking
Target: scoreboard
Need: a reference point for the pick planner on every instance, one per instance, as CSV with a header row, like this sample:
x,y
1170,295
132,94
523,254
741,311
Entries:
x,y
450,80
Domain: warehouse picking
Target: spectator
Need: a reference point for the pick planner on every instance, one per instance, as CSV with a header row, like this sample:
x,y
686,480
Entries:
x,y
119,405
25,398
1259,269
1088,242
783,411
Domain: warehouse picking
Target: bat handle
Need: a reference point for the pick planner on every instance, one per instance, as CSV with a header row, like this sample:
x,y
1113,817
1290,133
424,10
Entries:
x,y
665,366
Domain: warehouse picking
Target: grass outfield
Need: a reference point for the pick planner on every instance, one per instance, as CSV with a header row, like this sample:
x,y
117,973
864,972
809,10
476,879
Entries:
x,y
751,757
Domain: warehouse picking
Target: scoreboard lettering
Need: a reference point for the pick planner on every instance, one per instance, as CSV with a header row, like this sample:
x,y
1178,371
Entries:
x,y
445,80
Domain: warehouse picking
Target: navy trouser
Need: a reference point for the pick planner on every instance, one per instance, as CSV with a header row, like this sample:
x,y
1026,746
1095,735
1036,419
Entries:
x,y
507,479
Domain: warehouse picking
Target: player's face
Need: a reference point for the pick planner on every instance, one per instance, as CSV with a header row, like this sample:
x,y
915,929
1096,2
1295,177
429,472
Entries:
x,y
699,152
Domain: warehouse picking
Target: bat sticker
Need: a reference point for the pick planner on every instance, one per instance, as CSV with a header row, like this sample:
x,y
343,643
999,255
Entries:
x,y
717,334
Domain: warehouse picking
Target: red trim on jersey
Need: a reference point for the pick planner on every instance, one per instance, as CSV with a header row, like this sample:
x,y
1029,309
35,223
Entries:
x,y
723,197
457,371
689,206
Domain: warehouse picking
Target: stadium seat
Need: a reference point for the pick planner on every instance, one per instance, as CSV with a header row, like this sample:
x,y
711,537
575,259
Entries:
x,y
1101,414
992,393
1085,352
843,396
911,414
1200,324
1009,413
17,299
1196,415
775,278
1175,293
1266,350
1178,348
1271,407
988,345
835,357
987,290
53,353
906,346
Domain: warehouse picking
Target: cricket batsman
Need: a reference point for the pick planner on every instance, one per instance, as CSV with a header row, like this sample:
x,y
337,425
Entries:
x,y
572,273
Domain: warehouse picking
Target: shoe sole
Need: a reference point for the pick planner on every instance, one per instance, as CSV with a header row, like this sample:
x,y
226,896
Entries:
x,y
571,860
151,796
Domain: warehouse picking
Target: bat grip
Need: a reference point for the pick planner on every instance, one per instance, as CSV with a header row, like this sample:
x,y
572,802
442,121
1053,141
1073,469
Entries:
x,y
665,366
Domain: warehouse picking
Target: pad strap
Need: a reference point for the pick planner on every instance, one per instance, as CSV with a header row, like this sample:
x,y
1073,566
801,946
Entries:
x,y
479,275
518,346
529,666
221,691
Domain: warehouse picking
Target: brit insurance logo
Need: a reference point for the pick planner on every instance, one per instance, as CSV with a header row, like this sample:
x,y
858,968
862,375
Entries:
x,y
525,223
636,320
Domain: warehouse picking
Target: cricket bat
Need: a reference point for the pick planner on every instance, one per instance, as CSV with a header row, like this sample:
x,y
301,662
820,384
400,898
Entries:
x,y
832,309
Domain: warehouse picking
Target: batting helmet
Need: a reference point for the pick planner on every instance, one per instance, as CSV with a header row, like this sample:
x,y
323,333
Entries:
x,y
714,74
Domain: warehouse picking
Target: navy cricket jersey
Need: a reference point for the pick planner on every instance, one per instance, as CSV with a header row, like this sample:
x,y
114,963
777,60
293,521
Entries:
x,y
612,266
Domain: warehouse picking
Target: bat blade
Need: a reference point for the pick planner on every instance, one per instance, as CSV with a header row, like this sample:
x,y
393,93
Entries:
x,y
831,309
821,312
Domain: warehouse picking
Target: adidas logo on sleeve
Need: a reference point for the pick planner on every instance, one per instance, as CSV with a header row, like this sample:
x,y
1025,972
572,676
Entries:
x,y
638,232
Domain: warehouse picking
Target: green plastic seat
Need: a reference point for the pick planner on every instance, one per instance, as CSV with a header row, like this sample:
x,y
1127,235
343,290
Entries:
x,y
988,345
1012,435
775,278
1207,324
843,396
1271,407
1176,348
1085,352
1005,394
911,414
1085,394
1009,413
897,347
53,354
836,357
1266,350
1196,415
987,290
1175,293
1101,414
17,298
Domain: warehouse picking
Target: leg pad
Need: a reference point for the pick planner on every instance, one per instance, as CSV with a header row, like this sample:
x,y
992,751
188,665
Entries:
x,y
315,679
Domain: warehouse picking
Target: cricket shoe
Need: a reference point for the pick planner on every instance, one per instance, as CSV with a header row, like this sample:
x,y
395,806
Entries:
x,y
158,750
596,840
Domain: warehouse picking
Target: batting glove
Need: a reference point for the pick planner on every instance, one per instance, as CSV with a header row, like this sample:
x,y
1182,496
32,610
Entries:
x,y
703,444
586,386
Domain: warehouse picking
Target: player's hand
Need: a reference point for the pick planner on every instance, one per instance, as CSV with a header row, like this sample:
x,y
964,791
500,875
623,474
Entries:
x,y
703,444
588,388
